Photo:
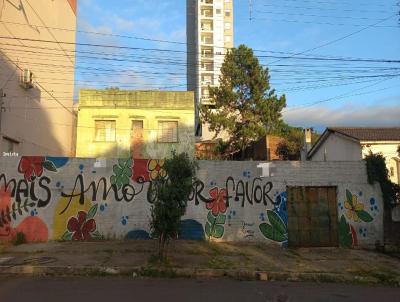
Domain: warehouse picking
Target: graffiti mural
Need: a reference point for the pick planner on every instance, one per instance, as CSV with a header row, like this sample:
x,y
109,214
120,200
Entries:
x,y
276,229
82,227
355,216
56,198
34,229
214,227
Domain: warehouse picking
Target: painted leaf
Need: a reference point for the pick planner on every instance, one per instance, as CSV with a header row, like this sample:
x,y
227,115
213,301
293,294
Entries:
x,y
67,236
122,172
276,222
218,231
207,229
220,219
211,218
49,165
97,235
345,235
349,197
269,232
14,211
92,212
364,216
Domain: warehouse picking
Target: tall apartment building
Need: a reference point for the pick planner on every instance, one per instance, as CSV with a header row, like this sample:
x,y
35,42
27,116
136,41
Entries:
x,y
37,77
209,35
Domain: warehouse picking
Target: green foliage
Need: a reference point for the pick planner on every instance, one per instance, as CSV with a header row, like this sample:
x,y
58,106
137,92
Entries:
x,y
172,194
245,105
292,141
19,239
378,172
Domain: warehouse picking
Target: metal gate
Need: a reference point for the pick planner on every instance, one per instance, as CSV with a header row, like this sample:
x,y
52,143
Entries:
x,y
312,216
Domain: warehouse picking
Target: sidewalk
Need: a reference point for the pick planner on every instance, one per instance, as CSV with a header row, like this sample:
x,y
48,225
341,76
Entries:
x,y
201,260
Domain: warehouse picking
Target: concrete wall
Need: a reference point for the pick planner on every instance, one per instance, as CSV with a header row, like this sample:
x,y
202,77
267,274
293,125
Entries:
x,y
38,120
55,198
338,148
125,106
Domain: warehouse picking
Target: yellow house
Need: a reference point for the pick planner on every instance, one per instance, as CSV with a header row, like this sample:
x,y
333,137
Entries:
x,y
141,124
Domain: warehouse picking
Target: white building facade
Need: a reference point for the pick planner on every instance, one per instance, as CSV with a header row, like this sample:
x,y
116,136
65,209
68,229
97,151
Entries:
x,y
209,36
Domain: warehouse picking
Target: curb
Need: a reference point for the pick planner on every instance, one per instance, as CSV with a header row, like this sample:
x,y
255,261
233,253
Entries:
x,y
154,272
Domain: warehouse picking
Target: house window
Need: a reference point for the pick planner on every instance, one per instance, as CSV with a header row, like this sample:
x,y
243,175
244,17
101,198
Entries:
x,y
227,13
218,11
391,172
105,131
167,132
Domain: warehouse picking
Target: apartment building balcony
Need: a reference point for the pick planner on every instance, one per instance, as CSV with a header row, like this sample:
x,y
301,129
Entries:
x,y
207,14
207,81
207,26
207,68
207,56
207,39
207,3
207,101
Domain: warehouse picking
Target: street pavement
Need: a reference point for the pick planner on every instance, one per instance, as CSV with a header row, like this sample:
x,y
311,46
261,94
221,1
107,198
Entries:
x,y
81,289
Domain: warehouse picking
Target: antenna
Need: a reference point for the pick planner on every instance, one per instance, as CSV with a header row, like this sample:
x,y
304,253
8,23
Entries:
x,y
250,10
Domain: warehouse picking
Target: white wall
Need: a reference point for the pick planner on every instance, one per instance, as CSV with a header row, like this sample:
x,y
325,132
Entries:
x,y
36,117
338,148
53,198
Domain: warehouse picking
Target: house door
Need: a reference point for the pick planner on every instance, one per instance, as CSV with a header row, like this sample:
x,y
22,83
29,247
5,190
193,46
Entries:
x,y
312,216
137,139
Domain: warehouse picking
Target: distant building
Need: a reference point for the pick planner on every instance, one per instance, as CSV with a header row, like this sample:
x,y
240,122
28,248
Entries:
x,y
141,124
349,144
209,35
37,77
267,148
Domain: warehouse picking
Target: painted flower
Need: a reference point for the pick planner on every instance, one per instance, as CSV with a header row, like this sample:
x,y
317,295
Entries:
x,y
217,205
353,206
155,168
80,227
31,166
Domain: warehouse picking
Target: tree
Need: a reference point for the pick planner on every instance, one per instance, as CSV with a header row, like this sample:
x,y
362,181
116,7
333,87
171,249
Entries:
x,y
245,105
172,194
378,172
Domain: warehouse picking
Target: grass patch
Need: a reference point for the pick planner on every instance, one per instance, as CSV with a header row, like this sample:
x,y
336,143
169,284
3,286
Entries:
x,y
19,239
219,262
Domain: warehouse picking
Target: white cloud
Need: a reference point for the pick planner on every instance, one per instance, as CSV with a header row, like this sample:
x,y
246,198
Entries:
x,y
360,116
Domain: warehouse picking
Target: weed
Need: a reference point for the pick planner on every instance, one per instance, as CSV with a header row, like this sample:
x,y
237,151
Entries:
x,y
19,239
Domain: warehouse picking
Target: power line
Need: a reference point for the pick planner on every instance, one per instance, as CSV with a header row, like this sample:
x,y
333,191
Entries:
x,y
347,94
293,56
341,38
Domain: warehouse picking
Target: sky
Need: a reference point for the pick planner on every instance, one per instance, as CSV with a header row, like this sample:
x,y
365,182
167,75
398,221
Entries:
x,y
324,55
